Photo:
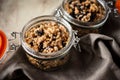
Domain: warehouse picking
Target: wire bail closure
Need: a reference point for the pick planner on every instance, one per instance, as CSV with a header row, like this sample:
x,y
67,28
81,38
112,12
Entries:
x,y
12,45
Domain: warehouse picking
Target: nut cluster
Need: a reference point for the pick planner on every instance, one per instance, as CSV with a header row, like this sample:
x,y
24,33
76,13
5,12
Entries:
x,y
85,10
47,36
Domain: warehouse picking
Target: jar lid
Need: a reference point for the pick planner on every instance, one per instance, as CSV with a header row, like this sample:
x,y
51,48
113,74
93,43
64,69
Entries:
x,y
3,43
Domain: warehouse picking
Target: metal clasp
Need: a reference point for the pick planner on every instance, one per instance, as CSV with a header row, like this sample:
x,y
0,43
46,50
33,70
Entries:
x,y
111,6
14,42
76,44
116,14
58,14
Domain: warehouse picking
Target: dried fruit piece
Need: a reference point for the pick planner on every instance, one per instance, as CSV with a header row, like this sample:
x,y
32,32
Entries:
x,y
40,48
40,32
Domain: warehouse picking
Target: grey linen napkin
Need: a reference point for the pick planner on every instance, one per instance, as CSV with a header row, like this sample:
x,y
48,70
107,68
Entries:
x,y
99,60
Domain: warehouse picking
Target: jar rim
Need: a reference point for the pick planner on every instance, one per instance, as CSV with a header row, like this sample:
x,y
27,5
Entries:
x,y
31,52
96,24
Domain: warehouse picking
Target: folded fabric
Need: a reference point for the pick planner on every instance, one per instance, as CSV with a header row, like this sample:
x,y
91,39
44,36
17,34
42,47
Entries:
x,y
112,26
99,59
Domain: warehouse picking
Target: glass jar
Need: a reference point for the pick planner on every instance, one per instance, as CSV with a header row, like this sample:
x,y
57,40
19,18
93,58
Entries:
x,y
49,61
83,27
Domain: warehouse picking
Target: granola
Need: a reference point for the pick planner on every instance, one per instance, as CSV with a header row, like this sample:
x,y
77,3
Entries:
x,y
85,10
47,37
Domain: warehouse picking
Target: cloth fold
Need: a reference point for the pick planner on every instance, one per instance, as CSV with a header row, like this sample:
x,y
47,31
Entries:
x,y
99,59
